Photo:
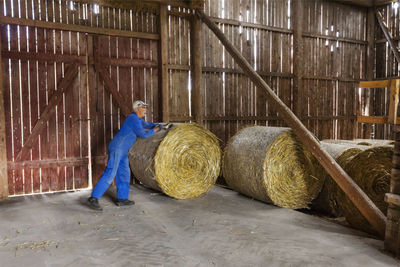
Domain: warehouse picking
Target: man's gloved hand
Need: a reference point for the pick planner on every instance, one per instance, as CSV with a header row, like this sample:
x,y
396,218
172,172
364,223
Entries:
x,y
159,126
167,126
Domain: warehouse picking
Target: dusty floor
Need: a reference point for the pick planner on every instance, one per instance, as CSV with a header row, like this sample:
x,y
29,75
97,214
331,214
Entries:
x,y
221,228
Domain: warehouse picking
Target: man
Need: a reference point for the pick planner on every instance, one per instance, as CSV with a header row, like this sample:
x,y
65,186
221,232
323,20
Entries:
x,y
118,162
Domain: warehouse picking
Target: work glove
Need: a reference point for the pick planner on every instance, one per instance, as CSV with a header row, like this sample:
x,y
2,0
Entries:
x,y
167,126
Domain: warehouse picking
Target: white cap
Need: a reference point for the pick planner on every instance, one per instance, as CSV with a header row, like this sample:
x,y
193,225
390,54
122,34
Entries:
x,y
137,104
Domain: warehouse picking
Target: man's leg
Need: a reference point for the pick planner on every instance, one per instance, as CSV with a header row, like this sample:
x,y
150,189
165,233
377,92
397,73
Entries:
x,y
122,180
108,175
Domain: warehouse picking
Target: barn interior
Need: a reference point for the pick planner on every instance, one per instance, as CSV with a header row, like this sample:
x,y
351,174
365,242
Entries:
x,y
257,89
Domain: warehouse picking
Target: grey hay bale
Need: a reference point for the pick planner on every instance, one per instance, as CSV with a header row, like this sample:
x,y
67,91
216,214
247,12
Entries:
x,y
270,164
327,200
362,142
183,162
370,169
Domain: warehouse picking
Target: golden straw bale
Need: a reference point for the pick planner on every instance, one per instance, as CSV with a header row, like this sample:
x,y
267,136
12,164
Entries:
x,y
370,169
292,174
270,164
183,162
327,200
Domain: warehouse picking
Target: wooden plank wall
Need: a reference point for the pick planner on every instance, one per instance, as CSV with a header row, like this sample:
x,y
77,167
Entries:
x,y
385,67
262,32
179,65
58,159
34,61
335,57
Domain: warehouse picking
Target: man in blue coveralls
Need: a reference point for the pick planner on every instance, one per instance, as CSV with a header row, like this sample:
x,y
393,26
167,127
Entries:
x,y
118,162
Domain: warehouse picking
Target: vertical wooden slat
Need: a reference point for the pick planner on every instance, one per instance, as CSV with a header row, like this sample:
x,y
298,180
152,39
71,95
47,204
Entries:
x,y
51,144
298,48
16,107
82,172
197,54
163,61
3,144
25,100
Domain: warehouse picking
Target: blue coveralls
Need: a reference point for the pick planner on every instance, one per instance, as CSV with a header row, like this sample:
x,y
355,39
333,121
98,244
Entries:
x,y
118,162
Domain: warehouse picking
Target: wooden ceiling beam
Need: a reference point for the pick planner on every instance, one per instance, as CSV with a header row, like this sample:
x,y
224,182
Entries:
x,y
366,3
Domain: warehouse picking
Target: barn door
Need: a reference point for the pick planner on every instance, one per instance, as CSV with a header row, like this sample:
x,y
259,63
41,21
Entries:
x,y
45,99
124,70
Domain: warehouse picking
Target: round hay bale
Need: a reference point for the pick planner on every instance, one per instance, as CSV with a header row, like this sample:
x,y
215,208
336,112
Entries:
x,y
183,162
327,200
374,142
361,142
370,169
271,165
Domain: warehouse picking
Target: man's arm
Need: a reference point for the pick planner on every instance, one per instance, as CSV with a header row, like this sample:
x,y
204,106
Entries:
x,y
137,127
148,125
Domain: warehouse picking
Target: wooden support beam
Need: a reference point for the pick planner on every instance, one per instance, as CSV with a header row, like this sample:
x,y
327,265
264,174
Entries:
x,y
334,38
111,86
3,147
366,128
127,62
163,76
375,84
388,36
121,62
394,101
136,4
47,163
77,28
366,3
375,119
392,237
44,57
250,25
392,199
298,65
197,62
62,87
369,210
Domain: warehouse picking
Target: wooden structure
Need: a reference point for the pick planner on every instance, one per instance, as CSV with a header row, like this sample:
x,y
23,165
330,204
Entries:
x,y
392,117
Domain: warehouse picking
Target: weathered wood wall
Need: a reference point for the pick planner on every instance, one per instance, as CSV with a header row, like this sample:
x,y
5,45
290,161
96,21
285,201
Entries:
x,y
120,58
335,46
385,67
35,63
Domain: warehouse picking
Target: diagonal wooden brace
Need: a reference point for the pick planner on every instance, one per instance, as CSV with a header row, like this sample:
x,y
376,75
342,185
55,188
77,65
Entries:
x,y
388,36
368,209
112,88
62,87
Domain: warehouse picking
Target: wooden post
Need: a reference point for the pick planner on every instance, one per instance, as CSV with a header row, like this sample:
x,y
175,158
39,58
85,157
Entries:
x,y
367,128
197,54
164,63
369,210
3,147
388,36
90,103
392,237
394,101
297,8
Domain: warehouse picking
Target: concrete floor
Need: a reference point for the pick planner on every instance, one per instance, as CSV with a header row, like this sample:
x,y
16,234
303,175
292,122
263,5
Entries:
x,y
221,228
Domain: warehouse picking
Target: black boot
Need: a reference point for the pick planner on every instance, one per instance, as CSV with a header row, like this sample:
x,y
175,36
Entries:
x,y
124,202
94,203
